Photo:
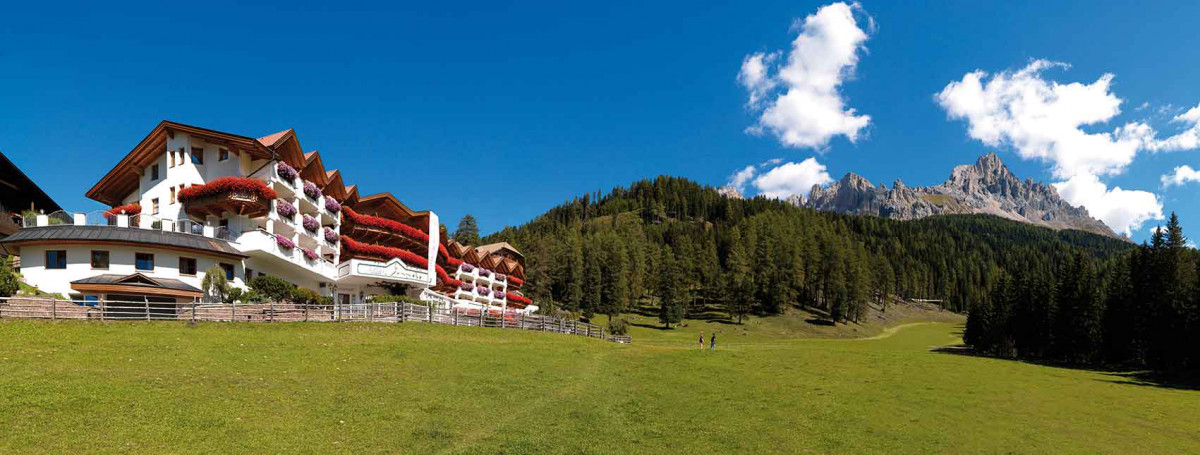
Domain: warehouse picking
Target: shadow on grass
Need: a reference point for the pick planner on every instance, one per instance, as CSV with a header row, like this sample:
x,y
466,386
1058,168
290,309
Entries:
x,y
650,326
820,321
1180,380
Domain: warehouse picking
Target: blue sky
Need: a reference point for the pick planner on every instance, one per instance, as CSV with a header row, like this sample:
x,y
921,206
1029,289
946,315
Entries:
x,y
503,110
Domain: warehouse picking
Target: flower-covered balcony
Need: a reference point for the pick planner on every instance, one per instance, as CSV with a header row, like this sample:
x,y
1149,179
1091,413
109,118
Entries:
x,y
383,231
237,195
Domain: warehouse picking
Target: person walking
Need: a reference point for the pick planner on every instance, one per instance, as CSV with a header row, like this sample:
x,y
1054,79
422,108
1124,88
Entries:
x,y
701,340
712,344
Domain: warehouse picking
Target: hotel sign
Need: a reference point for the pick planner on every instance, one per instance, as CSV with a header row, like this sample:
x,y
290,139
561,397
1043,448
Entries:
x,y
394,269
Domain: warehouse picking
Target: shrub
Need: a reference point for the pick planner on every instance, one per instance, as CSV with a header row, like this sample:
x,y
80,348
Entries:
x,y
10,281
618,326
272,287
305,296
215,285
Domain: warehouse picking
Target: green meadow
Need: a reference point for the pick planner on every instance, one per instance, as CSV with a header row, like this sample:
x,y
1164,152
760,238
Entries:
x,y
418,388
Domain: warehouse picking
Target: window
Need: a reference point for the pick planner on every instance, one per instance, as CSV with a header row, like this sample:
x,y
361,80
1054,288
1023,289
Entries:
x,y
198,155
154,206
228,268
172,195
172,153
144,261
187,266
249,275
56,259
91,300
99,260
154,172
222,154
224,222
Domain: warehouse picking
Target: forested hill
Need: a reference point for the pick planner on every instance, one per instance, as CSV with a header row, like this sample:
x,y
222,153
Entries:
x,y
681,246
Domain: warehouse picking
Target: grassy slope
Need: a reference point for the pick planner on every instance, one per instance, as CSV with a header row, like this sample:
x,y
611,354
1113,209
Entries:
x,y
142,387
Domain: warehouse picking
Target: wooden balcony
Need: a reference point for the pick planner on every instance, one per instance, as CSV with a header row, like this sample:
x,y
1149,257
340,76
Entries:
x,y
239,203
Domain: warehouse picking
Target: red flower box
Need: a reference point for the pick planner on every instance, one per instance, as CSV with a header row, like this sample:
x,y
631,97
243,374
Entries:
x,y
516,298
385,224
226,185
132,208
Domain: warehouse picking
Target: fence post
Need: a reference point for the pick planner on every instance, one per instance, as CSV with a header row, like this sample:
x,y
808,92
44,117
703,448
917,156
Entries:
x,y
454,314
53,308
429,310
146,301
232,313
193,310
271,308
305,312
396,310
103,309
482,313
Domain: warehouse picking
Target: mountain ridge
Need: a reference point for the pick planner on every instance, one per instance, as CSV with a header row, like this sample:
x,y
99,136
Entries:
x,y
986,187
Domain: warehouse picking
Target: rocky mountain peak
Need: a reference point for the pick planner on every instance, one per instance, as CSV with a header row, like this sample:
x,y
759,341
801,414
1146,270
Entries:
x,y
987,186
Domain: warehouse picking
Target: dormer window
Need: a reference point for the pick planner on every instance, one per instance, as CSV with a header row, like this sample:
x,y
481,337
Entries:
x,y
198,156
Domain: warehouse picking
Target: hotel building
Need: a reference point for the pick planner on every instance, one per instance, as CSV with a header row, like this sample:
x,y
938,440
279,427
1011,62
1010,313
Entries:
x,y
187,199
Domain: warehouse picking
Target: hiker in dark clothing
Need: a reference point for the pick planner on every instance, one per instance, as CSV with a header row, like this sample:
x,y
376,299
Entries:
x,y
712,344
701,340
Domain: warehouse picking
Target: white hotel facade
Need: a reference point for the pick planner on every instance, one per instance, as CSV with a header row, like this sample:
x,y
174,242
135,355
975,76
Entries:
x,y
187,199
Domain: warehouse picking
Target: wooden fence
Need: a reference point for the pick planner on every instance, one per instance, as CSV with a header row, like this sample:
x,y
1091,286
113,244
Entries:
x,y
108,310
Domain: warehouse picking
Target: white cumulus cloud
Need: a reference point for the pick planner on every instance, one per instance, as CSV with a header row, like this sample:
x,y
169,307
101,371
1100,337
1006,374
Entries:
x,y
799,98
1044,120
1122,210
1188,139
1180,176
1059,124
792,179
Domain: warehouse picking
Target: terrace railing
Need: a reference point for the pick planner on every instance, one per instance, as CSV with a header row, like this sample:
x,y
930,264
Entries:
x,y
395,312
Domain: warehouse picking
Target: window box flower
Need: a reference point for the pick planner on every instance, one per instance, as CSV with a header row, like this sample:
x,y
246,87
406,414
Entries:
x,y
498,294
311,190
330,236
332,205
284,242
285,209
468,268
286,172
467,287
310,224
310,254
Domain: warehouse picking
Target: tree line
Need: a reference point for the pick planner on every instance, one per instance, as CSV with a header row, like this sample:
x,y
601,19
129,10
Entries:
x,y
682,249
1139,309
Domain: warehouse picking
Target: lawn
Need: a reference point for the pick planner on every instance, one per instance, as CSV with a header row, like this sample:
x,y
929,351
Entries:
x,y
418,388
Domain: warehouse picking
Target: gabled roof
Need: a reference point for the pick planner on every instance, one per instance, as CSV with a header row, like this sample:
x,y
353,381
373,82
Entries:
x,y
495,247
123,178
271,139
136,284
385,205
314,169
17,190
335,186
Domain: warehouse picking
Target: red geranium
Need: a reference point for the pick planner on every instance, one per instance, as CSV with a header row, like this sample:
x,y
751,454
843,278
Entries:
x,y
132,208
514,281
519,299
225,185
385,224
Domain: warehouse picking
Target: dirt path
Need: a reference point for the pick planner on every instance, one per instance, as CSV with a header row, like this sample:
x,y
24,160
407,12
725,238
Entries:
x,y
892,330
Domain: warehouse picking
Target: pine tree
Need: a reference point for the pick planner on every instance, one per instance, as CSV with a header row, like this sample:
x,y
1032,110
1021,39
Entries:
x,y
468,231
670,304
593,281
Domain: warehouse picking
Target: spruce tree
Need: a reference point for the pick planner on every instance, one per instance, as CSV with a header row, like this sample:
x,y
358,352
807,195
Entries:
x,y
467,232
